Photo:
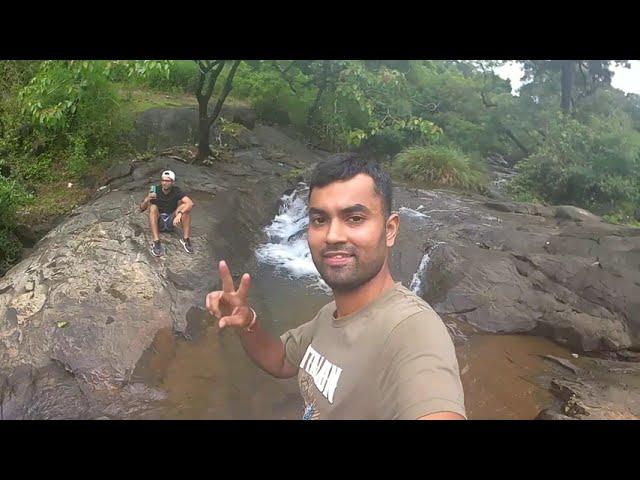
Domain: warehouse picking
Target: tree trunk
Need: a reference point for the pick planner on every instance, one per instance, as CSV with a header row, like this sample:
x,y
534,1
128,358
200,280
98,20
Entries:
x,y
204,150
568,73
316,104
321,88
515,140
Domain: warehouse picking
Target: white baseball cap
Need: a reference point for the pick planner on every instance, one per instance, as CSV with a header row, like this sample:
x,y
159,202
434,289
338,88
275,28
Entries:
x,y
169,175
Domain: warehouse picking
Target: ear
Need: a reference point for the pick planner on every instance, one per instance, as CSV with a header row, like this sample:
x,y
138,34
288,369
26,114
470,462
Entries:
x,y
392,226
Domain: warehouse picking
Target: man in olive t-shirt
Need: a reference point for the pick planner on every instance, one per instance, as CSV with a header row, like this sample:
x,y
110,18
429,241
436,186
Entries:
x,y
393,359
377,351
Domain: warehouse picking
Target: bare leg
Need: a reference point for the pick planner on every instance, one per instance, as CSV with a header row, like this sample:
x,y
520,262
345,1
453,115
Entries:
x,y
154,214
186,224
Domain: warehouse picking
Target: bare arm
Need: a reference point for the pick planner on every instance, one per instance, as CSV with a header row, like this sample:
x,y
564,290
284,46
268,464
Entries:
x,y
267,352
185,205
145,203
231,308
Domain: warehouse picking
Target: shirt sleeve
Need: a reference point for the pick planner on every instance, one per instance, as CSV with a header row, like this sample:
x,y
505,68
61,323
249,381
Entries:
x,y
297,340
420,373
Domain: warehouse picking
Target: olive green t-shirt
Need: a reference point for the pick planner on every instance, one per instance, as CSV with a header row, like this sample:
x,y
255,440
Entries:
x,y
393,359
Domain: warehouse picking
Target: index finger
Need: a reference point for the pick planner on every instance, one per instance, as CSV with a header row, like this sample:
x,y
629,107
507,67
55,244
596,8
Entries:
x,y
225,276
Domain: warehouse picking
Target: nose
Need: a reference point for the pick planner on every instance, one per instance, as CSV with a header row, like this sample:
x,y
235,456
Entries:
x,y
336,232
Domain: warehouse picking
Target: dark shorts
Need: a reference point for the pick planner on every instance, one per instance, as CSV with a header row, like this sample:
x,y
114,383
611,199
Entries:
x,y
165,222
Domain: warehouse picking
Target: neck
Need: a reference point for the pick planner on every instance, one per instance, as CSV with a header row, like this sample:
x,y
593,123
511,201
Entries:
x,y
354,300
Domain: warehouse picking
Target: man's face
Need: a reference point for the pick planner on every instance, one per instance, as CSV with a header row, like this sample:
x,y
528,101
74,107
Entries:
x,y
166,184
348,234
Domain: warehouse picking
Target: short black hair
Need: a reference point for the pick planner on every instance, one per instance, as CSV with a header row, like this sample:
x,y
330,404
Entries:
x,y
343,166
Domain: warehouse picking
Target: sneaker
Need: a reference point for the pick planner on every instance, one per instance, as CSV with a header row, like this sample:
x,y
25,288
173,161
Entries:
x,y
186,243
156,248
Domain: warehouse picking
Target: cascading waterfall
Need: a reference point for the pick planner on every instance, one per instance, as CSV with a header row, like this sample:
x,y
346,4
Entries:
x,y
286,248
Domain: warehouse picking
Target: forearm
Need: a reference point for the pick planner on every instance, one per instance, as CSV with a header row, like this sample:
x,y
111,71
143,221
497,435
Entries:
x,y
267,352
184,208
144,205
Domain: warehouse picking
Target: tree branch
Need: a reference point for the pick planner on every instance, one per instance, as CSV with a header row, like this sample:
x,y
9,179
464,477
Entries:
x,y
510,134
214,78
485,102
204,67
227,88
293,62
201,76
431,107
324,81
584,75
283,74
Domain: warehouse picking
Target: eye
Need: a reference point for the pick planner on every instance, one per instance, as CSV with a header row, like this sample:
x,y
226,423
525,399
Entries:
x,y
355,219
317,221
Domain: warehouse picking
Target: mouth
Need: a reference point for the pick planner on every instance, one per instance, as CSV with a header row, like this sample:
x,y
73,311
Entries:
x,y
337,259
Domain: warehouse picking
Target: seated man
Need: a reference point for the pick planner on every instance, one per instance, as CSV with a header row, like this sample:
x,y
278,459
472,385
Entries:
x,y
168,207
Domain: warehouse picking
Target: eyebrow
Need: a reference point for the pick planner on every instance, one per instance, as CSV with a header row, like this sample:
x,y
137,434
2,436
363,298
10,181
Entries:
x,y
357,208
316,211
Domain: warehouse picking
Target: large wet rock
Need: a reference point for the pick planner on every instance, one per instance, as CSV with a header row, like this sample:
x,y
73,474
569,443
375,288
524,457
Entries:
x,y
119,170
595,389
517,268
162,127
79,313
159,128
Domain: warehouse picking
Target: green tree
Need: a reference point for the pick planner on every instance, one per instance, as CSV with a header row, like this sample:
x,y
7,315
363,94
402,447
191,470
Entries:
x,y
208,73
578,78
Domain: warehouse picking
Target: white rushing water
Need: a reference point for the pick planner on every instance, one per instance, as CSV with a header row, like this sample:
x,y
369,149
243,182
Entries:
x,y
419,288
286,248
417,285
416,282
412,213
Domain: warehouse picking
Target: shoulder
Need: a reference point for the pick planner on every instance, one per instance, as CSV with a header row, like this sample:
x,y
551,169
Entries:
x,y
404,308
411,325
424,327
